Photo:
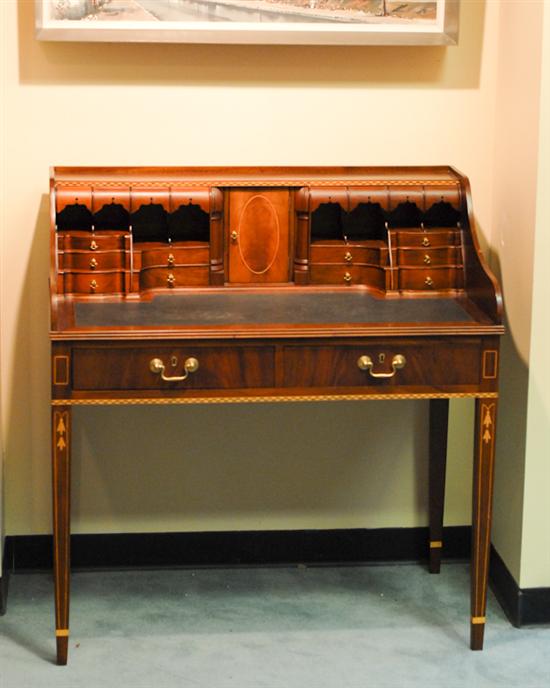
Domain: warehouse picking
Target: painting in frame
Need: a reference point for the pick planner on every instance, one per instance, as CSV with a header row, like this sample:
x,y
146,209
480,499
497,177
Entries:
x,y
298,22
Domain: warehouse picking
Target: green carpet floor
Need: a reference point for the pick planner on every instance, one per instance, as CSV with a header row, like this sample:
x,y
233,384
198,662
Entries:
x,y
329,627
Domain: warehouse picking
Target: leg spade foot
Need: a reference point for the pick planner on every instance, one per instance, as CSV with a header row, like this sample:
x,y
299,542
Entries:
x,y
477,629
62,642
434,565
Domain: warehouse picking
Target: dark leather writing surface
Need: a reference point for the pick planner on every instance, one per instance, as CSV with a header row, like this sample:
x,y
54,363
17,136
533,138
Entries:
x,y
244,308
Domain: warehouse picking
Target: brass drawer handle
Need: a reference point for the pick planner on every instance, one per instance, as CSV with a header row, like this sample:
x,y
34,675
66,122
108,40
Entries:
x,y
93,246
234,235
425,241
93,263
93,285
171,260
171,280
429,282
156,366
347,278
348,257
365,363
427,259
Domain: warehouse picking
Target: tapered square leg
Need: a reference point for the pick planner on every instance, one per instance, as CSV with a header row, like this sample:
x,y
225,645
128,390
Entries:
x,y
484,457
61,444
439,423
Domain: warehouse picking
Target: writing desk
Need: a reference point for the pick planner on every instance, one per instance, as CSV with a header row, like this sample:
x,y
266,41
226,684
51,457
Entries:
x,y
228,285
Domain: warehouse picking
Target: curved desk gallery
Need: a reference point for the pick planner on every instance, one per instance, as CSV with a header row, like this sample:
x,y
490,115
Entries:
x,y
204,285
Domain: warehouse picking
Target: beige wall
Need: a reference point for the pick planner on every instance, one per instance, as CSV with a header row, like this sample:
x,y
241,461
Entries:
x,y
199,468
515,193
3,223
535,551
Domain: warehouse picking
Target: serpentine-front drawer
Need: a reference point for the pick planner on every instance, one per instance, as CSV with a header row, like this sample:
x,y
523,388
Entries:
x,y
92,282
102,260
383,363
172,367
92,241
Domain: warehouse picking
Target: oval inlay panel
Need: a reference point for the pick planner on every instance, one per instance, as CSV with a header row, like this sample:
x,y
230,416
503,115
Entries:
x,y
258,234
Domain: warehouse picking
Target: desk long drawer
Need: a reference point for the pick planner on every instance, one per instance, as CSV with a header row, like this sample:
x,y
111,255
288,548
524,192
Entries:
x,y
219,367
423,363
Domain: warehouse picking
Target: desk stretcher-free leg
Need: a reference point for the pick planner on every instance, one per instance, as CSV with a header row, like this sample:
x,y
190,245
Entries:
x,y
439,421
484,455
61,458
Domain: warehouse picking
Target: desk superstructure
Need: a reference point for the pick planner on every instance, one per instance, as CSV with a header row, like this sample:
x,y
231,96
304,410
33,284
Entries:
x,y
206,285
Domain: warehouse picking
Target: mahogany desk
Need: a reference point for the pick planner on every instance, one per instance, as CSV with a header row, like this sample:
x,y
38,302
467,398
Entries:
x,y
188,285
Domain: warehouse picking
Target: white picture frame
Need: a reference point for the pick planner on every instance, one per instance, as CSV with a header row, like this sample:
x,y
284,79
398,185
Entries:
x,y
441,30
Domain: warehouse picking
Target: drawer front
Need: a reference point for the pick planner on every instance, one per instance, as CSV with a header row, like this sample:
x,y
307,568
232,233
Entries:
x,y
129,368
430,364
171,256
426,239
348,255
94,260
431,279
429,256
347,275
93,282
170,278
92,241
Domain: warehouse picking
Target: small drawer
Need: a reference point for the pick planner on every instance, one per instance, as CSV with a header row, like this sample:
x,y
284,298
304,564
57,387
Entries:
x,y
170,278
348,275
93,282
351,254
93,260
92,241
425,239
195,254
423,363
432,279
450,255
129,368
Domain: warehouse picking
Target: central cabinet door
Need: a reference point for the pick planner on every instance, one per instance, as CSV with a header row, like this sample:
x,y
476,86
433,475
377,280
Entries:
x,y
259,236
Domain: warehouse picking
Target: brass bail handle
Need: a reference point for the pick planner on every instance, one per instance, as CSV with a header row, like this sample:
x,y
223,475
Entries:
x,y
156,366
365,363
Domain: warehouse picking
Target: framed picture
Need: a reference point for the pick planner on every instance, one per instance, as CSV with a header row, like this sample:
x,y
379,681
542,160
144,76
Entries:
x,y
300,22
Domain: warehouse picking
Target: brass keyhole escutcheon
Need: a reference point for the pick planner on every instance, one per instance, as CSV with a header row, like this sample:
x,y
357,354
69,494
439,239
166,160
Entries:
x,y
381,358
347,278
429,282
93,285
93,245
234,235
93,263
427,259
174,361
348,257
171,260
171,280
425,241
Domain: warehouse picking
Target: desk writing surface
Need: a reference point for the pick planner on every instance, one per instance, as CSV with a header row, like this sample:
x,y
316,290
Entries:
x,y
241,308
